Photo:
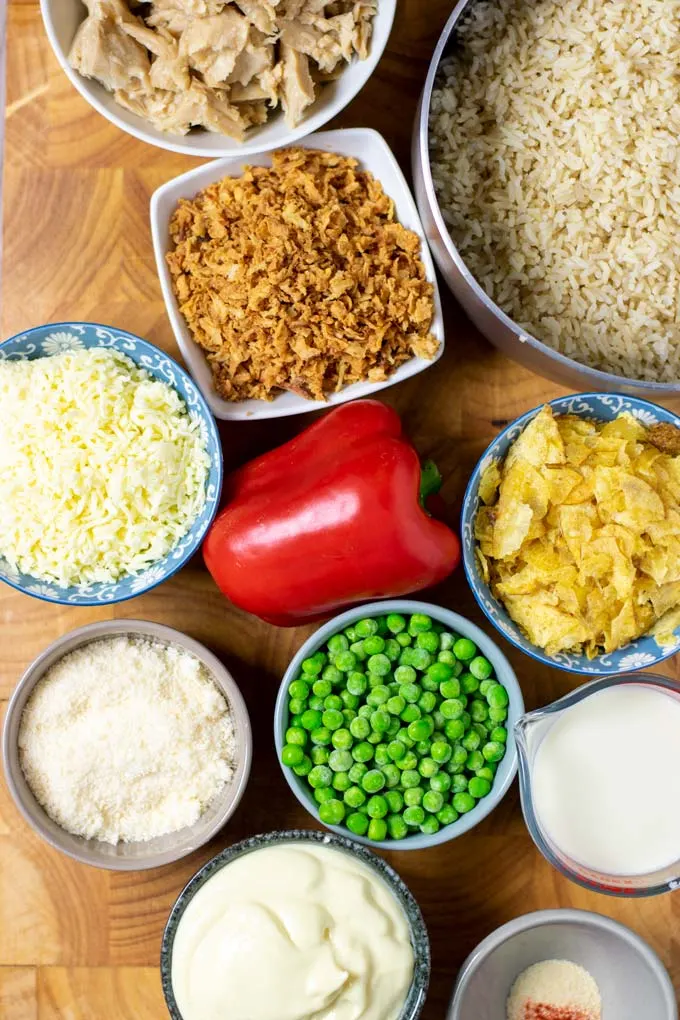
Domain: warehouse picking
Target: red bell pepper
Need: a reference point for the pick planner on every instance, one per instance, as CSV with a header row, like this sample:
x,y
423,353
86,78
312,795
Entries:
x,y
329,519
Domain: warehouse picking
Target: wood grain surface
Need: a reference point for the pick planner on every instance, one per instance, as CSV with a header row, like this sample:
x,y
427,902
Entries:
x,y
82,944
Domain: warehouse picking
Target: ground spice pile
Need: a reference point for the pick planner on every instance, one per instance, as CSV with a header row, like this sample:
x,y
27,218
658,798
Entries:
x,y
554,990
298,277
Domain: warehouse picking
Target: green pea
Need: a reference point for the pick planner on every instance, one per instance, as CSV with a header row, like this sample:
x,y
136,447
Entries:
x,y
314,664
478,788
359,727
357,648
466,719
409,692
403,639
448,658
380,755
441,783
428,767
319,755
373,781
378,695
338,643
393,728
322,794
497,697
481,667
452,708
346,661
332,812
366,627
299,689
395,705
295,720
408,762
471,741
316,704
362,751
414,816
322,688
296,735
493,751
428,640
357,823
482,730
460,753
485,773
377,829
498,735
395,801
304,768
413,796
497,715
430,825
374,645
396,750
402,735
433,801
365,711
320,775
311,719
296,706
392,649
410,778
454,729
375,737
410,714
321,735
422,748
479,711
463,802
380,721
377,807
357,771
395,623
438,720
420,659
418,623
379,665
356,683
349,700
292,754
392,775
332,718
475,760
342,739
446,640
397,827
427,701
341,781
464,649
469,684
459,783
350,633
333,675
448,815
354,797
421,729
486,685
441,674
428,685
441,751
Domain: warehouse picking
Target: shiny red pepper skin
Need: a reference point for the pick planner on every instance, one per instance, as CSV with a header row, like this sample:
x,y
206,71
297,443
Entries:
x,y
327,520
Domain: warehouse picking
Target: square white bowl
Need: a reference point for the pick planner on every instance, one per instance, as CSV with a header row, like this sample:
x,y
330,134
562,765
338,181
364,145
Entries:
x,y
63,17
374,154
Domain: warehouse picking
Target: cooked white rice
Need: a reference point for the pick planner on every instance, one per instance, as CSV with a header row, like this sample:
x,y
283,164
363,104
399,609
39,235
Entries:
x,y
556,156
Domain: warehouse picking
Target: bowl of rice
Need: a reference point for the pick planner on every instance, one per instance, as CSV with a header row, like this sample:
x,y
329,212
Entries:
x,y
545,165
110,464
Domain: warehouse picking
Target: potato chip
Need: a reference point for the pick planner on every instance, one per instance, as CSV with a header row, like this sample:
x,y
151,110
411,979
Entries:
x,y
579,536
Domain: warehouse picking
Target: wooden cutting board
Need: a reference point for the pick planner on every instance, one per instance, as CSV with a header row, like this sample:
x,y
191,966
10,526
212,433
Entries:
x,y
82,944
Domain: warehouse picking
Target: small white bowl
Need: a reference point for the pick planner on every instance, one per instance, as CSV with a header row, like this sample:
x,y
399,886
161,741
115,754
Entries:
x,y
62,18
374,154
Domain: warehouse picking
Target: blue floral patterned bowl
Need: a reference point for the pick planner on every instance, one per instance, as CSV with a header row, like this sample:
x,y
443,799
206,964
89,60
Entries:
x,y
600,407
44,341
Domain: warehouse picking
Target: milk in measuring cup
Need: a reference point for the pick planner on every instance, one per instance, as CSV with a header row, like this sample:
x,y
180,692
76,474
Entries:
x,y
606,781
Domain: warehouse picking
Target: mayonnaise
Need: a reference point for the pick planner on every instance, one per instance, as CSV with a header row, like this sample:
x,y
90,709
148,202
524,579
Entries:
x,y
296,931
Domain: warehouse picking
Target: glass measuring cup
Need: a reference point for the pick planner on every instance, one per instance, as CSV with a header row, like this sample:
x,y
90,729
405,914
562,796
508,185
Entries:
x,y
529,732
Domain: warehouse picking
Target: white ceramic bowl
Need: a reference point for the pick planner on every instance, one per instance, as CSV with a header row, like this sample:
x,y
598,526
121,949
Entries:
x,y
632,980
374,154
62,18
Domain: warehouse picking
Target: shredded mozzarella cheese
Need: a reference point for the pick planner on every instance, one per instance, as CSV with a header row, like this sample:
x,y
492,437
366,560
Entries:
x,y
102,469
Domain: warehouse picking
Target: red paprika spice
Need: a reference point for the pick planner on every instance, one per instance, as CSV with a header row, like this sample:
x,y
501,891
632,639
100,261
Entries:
x,y
334,517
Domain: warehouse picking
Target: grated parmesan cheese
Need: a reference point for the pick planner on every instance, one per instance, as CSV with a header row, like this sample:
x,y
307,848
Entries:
x,y
554,990
126,739
102,470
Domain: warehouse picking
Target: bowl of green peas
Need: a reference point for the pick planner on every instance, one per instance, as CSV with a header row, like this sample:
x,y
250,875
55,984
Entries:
x,y
394,724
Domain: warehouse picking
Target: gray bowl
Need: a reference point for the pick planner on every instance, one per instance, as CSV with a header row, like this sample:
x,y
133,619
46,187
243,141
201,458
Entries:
x,y
141,855
496,326
632,980
507,769
415,999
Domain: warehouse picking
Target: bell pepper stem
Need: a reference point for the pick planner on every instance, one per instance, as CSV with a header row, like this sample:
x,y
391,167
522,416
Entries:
x,y
430,481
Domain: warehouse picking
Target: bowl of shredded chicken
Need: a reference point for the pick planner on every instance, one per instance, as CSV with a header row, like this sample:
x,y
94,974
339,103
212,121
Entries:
x,y
110,465
211,77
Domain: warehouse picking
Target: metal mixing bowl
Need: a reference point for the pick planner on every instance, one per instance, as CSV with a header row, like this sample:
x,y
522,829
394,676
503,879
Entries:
x,y
496,326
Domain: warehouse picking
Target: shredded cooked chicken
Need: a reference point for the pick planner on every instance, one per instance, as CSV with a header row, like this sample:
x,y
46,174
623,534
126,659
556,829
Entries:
x,y
298,277
219,64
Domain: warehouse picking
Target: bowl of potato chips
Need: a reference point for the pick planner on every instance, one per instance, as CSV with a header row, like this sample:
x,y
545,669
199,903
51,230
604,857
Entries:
x,y
571,533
